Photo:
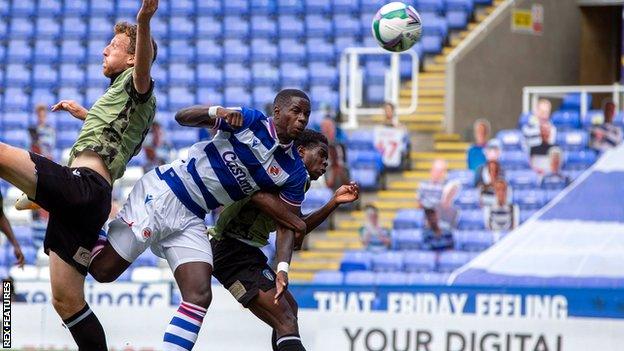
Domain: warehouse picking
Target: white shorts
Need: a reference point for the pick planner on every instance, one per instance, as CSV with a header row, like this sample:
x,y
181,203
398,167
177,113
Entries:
x,y
154,217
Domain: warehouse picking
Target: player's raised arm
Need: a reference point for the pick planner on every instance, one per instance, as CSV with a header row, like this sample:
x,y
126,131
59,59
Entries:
x,y
274,207
144,53
343,195
204,116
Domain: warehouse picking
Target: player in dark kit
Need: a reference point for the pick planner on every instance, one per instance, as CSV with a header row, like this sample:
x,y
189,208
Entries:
x,y
78,197
244,226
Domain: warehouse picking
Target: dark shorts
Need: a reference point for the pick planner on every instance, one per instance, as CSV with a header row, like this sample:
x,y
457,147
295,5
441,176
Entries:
x,y
242,269
79,202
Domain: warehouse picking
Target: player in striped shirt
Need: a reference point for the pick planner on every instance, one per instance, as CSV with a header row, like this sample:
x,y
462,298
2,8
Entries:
x,y
166,208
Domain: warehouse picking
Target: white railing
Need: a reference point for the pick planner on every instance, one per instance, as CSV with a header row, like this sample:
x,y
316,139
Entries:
x,y
530,95
351,84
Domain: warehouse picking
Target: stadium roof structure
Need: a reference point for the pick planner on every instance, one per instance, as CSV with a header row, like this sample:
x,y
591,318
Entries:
x,y
577,240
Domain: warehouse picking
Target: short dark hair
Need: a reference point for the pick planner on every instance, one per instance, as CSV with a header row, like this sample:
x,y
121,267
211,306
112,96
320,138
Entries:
x,y
284,96
310,137
130,30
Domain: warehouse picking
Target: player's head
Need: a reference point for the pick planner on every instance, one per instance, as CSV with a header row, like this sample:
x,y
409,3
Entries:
x,y
291,110
119,53
312,147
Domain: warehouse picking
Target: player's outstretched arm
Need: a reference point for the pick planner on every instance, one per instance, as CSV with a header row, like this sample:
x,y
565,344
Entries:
x,y
72,107
284,246
144,52
273,206
204,116
343,195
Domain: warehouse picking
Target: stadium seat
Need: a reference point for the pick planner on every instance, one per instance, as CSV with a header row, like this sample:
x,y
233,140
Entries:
x,y
390,279
18,51
19,75
92,95
522,179
81,8
406,239
356,261
159,28
209,51
431,278
182,7
101,28
43,96
127,8
375,93
209,96
529,199
15,120
387,261
263,95
369,159
180,97
208,27
290,27
66,138
209,75
94,51
23,8
457,19
572,101
419,261
73,28
162,98
263,7
237,96
367,178
566,119
65,121
160,75
263,27
322,51
328,278
576,160
323,74
451,260
263,50
237,75
473,240
16,137
73,51
408,219
318,26
375,72
236,8
15,99
49,8
346,6
291,51
459,6
361,139
183,137
264,74
430,8
4,28
573,139
471,220
234,28
323,94
318,7
236,51
95,77
360,278
511,139
209,7
464,176
293,74
44,76
468,199
181,74
181,50
290,7
431,44
346,25
71,75
21,28
514,160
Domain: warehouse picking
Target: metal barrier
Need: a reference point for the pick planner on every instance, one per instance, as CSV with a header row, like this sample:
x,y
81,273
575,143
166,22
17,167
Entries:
x,y
530,95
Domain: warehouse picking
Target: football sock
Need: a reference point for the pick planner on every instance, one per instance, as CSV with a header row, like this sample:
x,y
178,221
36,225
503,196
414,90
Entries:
x,y
86,330
181,333
290,343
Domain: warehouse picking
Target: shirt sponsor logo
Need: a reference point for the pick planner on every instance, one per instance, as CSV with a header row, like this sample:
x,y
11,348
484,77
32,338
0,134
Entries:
x,y
147,233
239,174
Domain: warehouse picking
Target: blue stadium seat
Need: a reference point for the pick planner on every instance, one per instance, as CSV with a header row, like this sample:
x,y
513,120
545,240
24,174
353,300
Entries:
x,y
92,95
71,93
431,44
290,27
458,13
365,159
127,7
468,199
236,51
18,51
209,75
95,77
566,119
181,74
208,27
346,6
375,71
264,74
407,239
522,179
23,234
471,220
66,138
324,94
19,75
15,120
318,6
430,8
73,51
356,261
180,97
263,50
209,96
529,199
43,96
181,51
290,7
435,26
328,278
23,8
526,214
320,50
183,137
236,74
49,8
81,8
73,28
71,75
293,74
237,96
101,28
346,25
575,160
182,27
160,75
4,28
234,28
263,95
65,121
16,137
361,140
318,26
292,51
182,7
363,278
419,261
322,73
30,255
263,27
473,240
21,28
451,260
573,139
15,99
408,219
209,51
371,6
391,279
464,176
95,49
209,7
387,261
236,8
44,76
514,160
263,7
572,101
431,278
162,98
159,28
367,178
375,93
511,139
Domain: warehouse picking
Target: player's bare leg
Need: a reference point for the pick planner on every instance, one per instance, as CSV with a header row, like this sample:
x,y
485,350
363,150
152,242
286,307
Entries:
x,y
108,265
17,168
194,280
69,302
282,317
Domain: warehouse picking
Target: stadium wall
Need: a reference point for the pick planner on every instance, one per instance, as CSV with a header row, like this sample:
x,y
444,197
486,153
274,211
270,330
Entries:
x,y
486,73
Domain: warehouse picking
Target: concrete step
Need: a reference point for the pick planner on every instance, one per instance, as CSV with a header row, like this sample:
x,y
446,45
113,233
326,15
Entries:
x,y
426,165
336,245
430,128
415,174
319,255
395,205
435,67
343,234
451,146
449,156
404,185
441,59
314,265
431,92
394,195
417,117
295,276
446,137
